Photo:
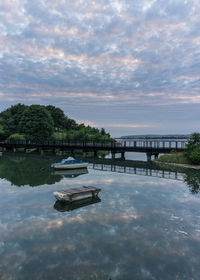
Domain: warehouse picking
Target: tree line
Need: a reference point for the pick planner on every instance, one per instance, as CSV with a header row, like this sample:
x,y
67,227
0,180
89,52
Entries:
x,y
38,122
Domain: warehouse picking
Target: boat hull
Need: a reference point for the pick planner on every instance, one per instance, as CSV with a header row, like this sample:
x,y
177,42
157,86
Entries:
x,y
70,166
76,194
67,198
63,206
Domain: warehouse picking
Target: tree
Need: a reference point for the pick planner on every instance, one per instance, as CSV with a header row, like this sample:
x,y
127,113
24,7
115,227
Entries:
x,y
36,123
11,118
192,179
2,132
193,149
61,121
58,116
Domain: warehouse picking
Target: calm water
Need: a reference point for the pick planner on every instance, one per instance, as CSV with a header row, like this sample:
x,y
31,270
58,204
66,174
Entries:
x,y
144,226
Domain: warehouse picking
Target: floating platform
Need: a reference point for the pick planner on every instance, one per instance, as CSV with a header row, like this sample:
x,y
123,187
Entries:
x,y
77,194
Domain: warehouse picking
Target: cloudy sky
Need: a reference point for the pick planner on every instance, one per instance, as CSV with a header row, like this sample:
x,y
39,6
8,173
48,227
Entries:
x,y
131,66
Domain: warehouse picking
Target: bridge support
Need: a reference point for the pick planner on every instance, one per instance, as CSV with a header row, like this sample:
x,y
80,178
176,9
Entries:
x,y
156,156
14,150
149,156
122,155
113,155
61,152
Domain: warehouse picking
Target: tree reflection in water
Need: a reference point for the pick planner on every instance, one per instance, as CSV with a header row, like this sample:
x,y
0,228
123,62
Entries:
x,y
27,170
192,179
34,170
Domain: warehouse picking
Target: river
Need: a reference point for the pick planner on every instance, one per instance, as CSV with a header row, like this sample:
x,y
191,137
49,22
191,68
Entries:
x,y
145,224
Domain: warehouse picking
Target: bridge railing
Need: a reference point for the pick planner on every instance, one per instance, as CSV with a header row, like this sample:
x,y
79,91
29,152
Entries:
x,y
63,143
157,144
147,144
138,171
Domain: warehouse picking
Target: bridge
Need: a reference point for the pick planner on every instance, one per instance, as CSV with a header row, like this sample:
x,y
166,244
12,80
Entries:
x,y
138,170
150,147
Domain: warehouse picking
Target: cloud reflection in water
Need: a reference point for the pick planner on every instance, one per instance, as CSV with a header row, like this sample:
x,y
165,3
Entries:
x,y
143,227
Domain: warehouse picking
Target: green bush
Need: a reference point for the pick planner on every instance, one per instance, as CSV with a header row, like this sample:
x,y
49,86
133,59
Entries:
x,y
17,136
174,158
194,155
193,149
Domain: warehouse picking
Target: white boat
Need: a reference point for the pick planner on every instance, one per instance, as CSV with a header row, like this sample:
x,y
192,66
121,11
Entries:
x,y
77,194
69,163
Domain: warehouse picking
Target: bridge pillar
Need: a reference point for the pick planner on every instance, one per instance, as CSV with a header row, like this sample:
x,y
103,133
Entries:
x,y
113,155
148,156
122,155
61,152
14,150
156,156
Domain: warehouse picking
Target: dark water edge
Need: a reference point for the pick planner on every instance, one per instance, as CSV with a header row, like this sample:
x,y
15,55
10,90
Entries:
x,y
145,224
34,170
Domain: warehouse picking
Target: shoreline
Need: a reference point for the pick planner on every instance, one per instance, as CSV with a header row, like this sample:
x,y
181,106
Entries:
x,y
191,166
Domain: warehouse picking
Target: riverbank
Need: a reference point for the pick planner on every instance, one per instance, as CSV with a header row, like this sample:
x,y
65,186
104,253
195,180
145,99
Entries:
x,y
176,159
197,167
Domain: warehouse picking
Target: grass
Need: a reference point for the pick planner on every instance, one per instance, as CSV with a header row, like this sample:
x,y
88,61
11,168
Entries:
x,y
173,158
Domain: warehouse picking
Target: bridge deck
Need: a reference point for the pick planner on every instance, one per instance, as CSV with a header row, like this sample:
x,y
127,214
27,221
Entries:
x,y
146,146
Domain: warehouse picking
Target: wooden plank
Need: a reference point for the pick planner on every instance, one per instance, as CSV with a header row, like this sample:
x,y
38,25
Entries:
x,y
84,189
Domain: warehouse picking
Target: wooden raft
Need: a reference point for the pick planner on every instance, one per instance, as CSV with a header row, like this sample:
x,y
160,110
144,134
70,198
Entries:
x,y
76,194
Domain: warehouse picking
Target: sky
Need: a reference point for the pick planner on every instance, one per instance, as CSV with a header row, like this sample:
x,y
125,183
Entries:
x,y
130,66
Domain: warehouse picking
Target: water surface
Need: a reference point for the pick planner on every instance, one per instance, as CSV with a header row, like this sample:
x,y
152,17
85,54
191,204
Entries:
x,y
144,226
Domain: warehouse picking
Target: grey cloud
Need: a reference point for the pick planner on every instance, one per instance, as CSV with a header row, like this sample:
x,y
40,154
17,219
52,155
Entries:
x,y
133,51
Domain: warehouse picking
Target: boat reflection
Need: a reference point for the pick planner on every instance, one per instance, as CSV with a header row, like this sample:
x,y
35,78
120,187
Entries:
x,y
63,206
26,170
72,173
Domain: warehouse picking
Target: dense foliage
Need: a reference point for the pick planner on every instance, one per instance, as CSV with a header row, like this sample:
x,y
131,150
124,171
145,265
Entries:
x,y
38,122
190,156
193,149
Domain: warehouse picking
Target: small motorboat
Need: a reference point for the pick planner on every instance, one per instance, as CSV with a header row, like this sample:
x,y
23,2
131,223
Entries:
x,y
76,194
69,163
